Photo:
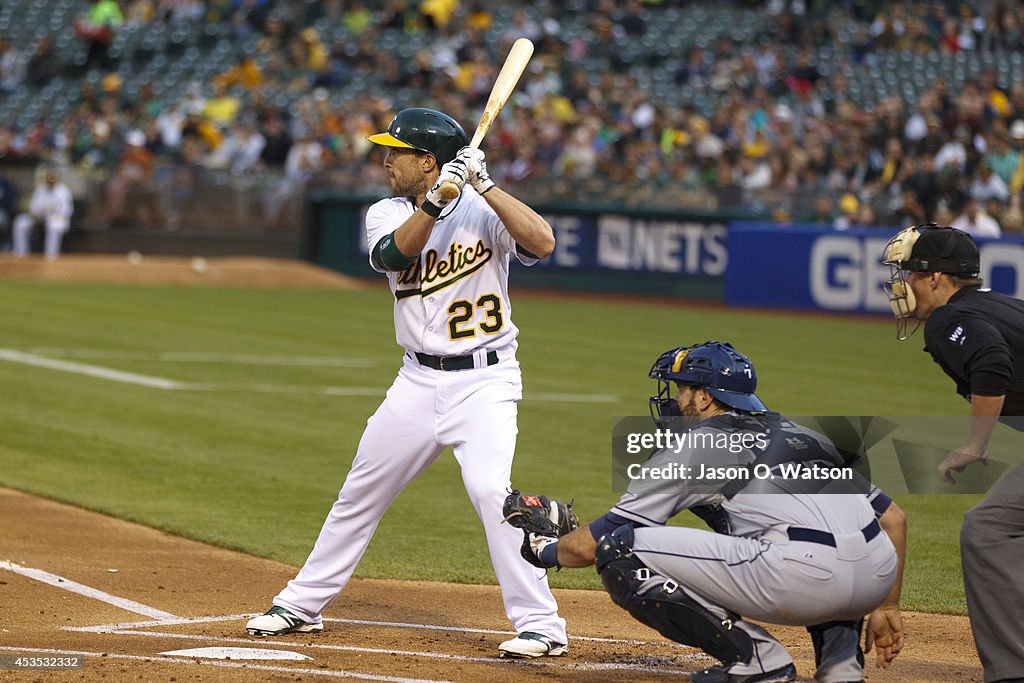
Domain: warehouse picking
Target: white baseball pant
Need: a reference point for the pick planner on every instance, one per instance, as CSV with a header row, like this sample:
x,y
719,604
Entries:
x,y
22,228
426,410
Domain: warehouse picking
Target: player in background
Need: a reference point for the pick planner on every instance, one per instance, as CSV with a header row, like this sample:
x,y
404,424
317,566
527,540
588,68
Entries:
x,y
447,263
782,550
977,337
51,206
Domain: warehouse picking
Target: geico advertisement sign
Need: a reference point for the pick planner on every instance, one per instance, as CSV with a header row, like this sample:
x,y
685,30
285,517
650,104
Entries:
x,y
846,272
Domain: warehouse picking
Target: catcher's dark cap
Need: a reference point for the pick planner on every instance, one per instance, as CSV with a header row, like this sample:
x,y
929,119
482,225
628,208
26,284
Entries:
x,y
944,250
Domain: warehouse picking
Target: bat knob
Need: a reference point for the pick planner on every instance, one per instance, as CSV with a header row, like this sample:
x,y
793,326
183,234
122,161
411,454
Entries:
x,y
449,191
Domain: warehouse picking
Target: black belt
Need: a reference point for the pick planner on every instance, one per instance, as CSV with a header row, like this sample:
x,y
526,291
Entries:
x,y
454,362
797,533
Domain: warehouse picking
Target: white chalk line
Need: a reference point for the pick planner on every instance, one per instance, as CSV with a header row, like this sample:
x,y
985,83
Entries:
x,y
161,618
425,654
88,370
549,397
546,397
329,673
122,626
203,357
264,388
165,619
154,382
487,631
88,591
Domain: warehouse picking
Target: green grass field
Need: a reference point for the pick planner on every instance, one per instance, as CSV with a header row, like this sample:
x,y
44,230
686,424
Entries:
x,y
252,452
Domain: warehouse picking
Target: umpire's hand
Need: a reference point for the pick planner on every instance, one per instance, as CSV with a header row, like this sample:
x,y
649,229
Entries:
x,y
958,460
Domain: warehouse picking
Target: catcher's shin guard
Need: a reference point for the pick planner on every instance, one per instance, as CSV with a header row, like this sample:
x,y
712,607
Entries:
x,y
663,605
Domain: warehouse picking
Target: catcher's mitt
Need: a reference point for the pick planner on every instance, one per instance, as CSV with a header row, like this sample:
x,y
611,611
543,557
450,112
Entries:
x,y
539,514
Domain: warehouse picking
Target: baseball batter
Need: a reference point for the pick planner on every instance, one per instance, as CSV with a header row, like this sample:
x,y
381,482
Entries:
x,y
447,263
782,554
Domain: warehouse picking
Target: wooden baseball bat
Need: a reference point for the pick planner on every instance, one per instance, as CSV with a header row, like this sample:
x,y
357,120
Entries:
x,y
504,84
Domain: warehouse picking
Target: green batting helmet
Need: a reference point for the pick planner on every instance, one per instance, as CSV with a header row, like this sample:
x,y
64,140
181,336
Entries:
x,y
426,130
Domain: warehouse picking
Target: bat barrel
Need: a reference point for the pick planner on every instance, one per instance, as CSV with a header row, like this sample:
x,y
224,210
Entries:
x,y
509,75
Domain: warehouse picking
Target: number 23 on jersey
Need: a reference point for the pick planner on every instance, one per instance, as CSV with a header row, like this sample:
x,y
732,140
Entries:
x,y
463,323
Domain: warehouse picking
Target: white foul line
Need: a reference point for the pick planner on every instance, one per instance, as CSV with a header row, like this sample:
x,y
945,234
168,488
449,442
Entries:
x,y
89,370
228,665
75,587
204,357
174,385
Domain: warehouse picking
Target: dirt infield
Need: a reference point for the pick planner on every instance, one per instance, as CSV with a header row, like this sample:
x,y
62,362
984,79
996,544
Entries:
x,y
135,268
79,584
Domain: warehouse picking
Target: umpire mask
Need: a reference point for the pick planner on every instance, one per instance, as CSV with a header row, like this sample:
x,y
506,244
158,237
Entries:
x,y
901,297
924,249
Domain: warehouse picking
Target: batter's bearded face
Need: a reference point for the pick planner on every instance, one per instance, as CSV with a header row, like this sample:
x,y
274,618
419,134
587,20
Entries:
x,y
405,169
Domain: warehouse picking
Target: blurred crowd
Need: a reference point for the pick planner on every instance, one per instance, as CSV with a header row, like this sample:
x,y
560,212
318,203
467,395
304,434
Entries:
x,y
755,125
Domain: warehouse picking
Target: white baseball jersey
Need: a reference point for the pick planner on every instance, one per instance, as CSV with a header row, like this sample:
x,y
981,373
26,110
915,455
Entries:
x,y
453,300
54,205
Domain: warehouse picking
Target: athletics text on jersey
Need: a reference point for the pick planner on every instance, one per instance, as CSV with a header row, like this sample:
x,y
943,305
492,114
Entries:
x,y
453,299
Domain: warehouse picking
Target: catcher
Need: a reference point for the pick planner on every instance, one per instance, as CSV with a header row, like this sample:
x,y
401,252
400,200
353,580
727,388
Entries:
x,y
782,553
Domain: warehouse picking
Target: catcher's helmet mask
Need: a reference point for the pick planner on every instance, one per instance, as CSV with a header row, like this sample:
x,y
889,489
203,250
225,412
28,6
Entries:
x,y
926,248
425,130
714,366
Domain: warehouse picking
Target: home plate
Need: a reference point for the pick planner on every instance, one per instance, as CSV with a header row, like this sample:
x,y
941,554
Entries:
x,y
238,653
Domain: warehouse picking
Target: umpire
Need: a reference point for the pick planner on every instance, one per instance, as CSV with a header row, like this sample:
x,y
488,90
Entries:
x,y
977,338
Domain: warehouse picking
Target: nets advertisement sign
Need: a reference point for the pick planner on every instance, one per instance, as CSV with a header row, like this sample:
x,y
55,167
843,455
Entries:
x,y
626,244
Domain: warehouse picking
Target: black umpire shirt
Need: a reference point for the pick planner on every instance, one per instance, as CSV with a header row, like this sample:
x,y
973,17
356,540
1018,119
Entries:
x,y
977,338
